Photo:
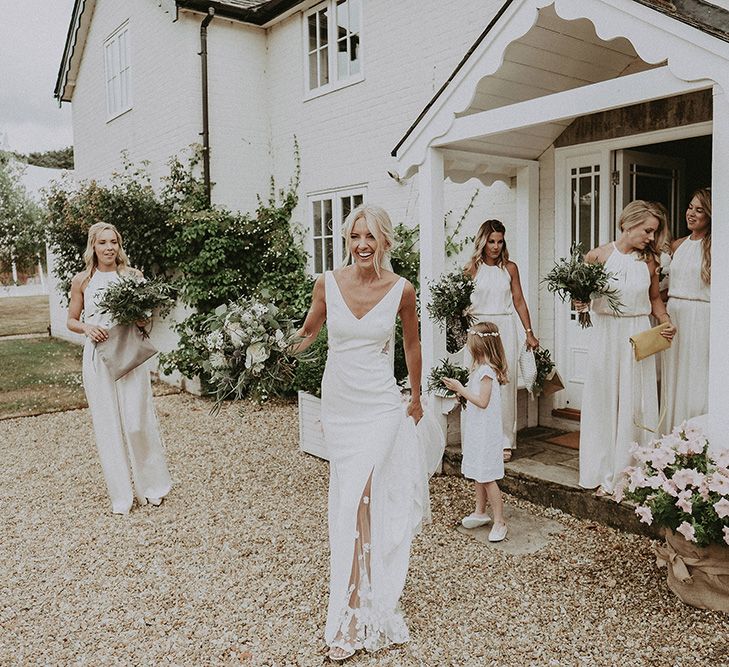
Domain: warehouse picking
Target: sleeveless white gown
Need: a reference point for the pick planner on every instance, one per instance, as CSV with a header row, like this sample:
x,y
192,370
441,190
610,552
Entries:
x,y
379,468
125,423
492,302
687,360
619,392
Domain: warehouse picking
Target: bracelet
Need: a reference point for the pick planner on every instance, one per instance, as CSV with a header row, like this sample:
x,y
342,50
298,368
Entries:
x,y
528,331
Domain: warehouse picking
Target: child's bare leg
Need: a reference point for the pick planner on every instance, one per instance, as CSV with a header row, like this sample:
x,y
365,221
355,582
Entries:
x,y
481,498
497,504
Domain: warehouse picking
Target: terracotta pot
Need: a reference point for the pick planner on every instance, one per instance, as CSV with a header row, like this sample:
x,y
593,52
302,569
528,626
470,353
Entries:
x,y
699,576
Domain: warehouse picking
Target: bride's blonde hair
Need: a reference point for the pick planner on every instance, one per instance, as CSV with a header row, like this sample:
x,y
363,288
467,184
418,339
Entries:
x,y
379,225
91,261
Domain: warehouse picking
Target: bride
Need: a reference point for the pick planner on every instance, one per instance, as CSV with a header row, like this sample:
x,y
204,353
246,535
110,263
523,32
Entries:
x,y
374,480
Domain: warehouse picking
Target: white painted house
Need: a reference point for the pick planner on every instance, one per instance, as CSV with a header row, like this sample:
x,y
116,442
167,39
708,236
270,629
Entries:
x,y
560,110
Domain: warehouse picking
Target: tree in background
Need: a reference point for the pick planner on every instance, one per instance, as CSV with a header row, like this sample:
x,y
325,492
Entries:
x,y
21,228
54,159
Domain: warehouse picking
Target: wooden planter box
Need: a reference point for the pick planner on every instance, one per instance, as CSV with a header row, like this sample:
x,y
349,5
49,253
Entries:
x,y
311,437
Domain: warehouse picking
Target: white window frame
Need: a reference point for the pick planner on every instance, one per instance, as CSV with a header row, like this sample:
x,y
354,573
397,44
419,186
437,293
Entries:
x,y
117,74
335,83
336,197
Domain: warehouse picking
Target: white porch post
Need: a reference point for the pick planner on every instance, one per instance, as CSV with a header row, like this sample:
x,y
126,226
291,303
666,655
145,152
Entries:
x,y
432,257
527,233
719,364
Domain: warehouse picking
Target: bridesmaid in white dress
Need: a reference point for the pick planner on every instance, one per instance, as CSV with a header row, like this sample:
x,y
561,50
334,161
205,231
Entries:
x,y
125,424
620,395
689,295
373,509
496,296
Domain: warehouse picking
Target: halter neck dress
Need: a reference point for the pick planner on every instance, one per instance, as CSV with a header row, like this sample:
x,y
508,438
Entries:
x,y
378,484
687,360
492,302
620,394
125,423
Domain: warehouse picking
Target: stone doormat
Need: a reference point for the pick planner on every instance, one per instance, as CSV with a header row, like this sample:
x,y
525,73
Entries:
x,y
527,533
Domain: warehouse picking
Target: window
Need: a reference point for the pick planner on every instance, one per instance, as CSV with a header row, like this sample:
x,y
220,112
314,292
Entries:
x,y
332,37
328,212
118,73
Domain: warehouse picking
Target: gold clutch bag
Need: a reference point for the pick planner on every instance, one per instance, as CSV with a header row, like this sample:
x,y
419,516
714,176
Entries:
x,y
649,342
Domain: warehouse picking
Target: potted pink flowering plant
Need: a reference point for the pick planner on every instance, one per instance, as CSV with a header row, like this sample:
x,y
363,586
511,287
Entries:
x,y
681,483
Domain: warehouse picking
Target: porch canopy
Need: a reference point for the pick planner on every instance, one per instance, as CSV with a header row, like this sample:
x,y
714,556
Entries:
x,y
539,65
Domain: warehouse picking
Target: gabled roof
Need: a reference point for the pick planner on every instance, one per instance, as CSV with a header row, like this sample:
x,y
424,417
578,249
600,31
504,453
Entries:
x,y
706,17
255,12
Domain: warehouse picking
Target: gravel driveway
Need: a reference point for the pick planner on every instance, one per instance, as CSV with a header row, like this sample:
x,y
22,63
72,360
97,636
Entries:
x,y
232,568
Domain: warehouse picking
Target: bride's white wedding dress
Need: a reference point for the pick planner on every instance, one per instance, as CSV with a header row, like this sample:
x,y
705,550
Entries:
x,y
379,468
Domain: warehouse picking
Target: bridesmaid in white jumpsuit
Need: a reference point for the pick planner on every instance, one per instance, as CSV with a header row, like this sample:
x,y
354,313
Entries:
x,y
620,395
689,304
125,424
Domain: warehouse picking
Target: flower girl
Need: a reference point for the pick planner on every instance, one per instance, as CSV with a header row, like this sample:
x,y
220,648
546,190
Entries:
x,y
483,437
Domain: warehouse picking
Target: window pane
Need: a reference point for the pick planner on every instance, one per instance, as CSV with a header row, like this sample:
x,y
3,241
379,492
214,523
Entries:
x,y
323,66
342,59
317,218
317,256
312,32
342,18
323,27
346,203
354,54
313,75
354,11
330,254
327,214
358,199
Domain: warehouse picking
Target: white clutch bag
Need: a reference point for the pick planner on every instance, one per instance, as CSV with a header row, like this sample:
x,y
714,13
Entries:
x,y
527,368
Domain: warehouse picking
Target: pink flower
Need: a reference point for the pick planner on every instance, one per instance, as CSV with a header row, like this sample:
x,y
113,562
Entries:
x,y
669,486
662,457
684,501
726,534
720,483
721,456
644,514
687,476
687,530
619,492
692,431
655,481
722,508
636,478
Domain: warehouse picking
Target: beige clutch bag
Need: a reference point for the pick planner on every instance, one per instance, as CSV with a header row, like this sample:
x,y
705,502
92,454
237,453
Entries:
x,y
125,349
649,342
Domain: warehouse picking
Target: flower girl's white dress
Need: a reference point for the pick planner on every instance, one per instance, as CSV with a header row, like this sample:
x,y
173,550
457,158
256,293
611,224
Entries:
x,y
620,395
125,424
378,487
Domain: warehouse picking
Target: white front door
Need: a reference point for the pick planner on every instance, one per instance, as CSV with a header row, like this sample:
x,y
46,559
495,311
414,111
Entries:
x,y
586,205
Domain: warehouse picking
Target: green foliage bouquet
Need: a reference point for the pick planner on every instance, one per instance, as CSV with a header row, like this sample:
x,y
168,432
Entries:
x,y
573,278
681,483
132,299
545,366
446,369
450,301
247,346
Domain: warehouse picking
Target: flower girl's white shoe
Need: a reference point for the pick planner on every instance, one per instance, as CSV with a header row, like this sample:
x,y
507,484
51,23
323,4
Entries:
x,y
475,520
498,532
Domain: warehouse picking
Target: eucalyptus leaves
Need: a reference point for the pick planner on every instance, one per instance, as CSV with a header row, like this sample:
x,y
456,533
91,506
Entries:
x,y
574,279
132,299
450,303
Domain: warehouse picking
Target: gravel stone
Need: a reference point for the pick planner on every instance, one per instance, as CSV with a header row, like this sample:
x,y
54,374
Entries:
x,y
232,568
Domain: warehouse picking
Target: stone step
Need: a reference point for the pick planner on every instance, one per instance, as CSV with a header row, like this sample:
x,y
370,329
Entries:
x,y
547,474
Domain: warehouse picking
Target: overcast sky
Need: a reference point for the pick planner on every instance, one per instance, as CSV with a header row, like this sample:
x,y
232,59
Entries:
x,y
32,35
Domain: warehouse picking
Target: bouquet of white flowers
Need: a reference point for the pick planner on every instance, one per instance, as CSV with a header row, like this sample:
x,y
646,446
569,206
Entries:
x,y
247,343
681,483
133,299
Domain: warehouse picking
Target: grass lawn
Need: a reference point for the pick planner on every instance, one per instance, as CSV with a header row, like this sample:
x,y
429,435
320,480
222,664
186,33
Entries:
x,y
39,375
24,315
